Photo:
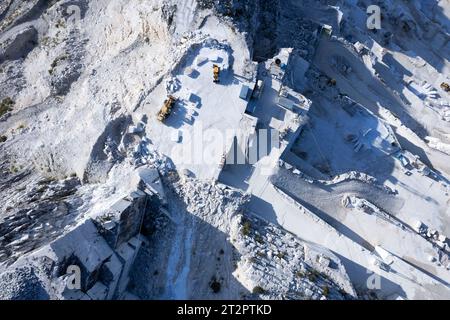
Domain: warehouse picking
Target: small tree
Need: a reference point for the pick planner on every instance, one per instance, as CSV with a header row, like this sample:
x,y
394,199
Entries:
x,y
246,227
6,105
326,290
258,290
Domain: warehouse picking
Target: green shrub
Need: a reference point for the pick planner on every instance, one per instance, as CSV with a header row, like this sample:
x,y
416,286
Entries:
x,y
246,227
258,290
6,105
56,61
326,290
260,254
60,24
259,239
313,275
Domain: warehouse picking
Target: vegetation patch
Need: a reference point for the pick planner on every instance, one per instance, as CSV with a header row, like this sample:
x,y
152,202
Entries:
x,y
326,290
56,61
259,239
313,275
246,228
258,290
6,105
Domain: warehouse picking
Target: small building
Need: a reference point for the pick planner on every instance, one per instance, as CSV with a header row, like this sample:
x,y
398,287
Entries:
x,y
245,92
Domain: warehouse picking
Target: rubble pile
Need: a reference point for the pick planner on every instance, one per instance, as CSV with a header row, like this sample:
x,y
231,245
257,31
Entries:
x,y
277,265
268,258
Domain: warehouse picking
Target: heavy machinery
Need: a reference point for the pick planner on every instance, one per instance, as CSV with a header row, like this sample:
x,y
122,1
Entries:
x,y
445,86
165,111
216,73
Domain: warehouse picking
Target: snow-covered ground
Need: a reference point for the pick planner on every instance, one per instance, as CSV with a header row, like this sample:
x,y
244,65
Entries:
x,y
198,115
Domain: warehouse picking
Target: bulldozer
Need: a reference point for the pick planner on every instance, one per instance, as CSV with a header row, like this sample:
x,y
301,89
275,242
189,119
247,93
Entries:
x,y
445,86
216,73
165,111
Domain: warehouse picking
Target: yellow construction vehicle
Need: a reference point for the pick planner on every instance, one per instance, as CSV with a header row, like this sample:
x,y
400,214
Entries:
x,y
445,86
165,111
216,72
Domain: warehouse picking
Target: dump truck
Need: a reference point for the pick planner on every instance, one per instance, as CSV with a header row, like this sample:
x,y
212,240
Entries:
x,y
165,111
445,86
216,73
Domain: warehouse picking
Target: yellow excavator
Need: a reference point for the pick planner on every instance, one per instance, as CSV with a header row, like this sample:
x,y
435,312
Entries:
x,y
216,72
165,111
445,86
